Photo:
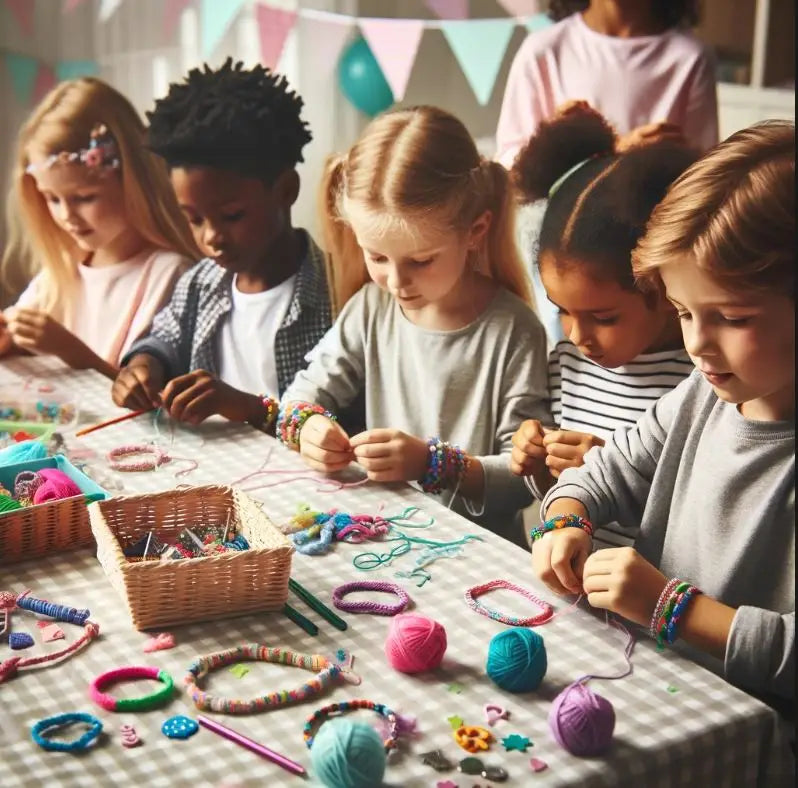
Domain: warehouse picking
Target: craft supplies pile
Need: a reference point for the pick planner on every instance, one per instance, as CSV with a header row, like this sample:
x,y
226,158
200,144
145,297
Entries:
x,y
32,488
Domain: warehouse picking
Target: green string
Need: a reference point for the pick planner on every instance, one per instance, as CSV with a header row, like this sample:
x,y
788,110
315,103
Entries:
x,y
370,560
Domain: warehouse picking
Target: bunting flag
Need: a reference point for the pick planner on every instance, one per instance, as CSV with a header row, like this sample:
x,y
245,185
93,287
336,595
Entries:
x,y
448,9
479,46
326,38
538,22
107,9
72,69
22,11
172,10
45,82
394,43
216,16
23,70
274,25
70,5
522,8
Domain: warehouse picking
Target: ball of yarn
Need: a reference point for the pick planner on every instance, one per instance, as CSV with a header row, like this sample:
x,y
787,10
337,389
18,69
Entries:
x,y
22,452
8,504
517,659
348,754
56,485
415,643
581,721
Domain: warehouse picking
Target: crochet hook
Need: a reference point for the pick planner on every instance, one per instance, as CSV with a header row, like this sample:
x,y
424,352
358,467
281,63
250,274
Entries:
x,y
300,620
314,603
125,417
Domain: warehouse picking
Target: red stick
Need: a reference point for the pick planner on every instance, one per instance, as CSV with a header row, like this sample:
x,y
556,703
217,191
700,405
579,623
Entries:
x,y
131,415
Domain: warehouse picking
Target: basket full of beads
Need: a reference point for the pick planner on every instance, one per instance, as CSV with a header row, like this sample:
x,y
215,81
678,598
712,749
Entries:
x,y
166,580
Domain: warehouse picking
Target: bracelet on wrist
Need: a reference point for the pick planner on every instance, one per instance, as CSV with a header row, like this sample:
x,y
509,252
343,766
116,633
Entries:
x,y
660,606
292,417
446,466
561,521
677,596
270,408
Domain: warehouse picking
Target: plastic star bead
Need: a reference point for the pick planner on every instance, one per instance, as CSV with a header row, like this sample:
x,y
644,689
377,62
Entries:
x,y
455,721
516,742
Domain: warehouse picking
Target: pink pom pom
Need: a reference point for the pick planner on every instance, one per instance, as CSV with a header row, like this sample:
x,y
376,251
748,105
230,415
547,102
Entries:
x,y
415,643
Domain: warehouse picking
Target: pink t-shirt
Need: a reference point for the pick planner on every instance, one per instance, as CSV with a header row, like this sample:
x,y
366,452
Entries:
x,y
115,304
631,81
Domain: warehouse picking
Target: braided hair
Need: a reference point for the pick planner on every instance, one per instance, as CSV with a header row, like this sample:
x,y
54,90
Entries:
x,y
244,120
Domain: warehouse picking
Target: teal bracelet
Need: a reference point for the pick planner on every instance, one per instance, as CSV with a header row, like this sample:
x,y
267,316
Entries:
x,y
561,521
95,729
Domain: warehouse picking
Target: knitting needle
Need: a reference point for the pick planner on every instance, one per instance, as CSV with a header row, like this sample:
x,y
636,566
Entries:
x,y
131,415
314,603
245,741
300,620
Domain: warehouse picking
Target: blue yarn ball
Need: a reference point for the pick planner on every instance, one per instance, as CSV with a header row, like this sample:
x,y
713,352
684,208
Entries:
x,y
517,659
348,754
22,452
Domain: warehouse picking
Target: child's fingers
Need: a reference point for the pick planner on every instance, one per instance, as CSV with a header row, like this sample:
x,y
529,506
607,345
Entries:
x,y
372,436
326,457
375,464
198,408
562,554
179,402
559,464
564,451
370,450
175,387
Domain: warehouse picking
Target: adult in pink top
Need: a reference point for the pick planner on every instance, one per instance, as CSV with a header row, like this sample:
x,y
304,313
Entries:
x,y
632,61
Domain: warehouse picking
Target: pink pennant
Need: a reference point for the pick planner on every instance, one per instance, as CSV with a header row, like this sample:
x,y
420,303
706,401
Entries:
x,y
522,7
45,82
274,25
171,15
449,9
22,11
71,5
394,43
160,642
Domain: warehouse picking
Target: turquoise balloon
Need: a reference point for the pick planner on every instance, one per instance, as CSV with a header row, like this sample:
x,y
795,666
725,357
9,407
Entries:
x,y
361,80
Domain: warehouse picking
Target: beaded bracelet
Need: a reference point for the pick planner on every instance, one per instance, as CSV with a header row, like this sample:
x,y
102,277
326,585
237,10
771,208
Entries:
x,y
351,705
678,611
446,465
270,406
672,611
371,607
327,674
660,606
143,703
158,458
532,621
292,418
95,729
561,521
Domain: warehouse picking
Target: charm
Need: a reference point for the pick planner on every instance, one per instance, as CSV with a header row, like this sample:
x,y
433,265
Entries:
x,y
495,773
239,670
437,760
49,631
179,727
537,765
473,738
161,641
455,722
516,742
470,766
129,736
494,713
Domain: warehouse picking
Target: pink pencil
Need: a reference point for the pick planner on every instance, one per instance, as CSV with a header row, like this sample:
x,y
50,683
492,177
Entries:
x,y
244,741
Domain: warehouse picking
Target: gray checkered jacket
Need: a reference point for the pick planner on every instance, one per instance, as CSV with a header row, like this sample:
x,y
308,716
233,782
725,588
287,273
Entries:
x,y
183,332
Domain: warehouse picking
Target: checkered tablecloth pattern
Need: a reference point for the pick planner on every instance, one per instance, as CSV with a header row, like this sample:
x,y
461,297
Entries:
x,y
677,724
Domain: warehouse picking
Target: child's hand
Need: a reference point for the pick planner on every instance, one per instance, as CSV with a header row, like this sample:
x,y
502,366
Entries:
x,y
528,452
620,580
566,449
391,455
193,397
6,342
324,445
559,557
137,384
37,332
651,132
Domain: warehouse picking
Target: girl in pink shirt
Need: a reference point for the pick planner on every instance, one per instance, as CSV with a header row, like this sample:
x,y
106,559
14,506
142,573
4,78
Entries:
x,y
635,62
96,210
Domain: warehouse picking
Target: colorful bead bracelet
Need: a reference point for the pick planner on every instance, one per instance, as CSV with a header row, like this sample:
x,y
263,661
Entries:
x,y
670,607
95,729
472,594
292,418
345,706
158,458
270,408
109,703
327,674
371,607
561,521
446,466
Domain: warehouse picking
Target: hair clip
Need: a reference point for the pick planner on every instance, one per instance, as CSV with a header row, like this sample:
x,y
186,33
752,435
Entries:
x,y
101,155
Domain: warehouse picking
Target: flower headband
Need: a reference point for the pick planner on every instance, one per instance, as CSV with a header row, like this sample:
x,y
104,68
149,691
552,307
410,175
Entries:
x,y
102,153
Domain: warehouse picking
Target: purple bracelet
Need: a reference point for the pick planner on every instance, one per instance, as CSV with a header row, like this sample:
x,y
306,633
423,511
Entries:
x,y
371,607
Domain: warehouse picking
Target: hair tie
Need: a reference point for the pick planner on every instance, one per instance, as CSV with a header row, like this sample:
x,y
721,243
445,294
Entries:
x,y
109,703
367,606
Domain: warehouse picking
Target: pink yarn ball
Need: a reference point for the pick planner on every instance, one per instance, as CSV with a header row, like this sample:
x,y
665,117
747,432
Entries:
x,y
581,721
415,643
56,485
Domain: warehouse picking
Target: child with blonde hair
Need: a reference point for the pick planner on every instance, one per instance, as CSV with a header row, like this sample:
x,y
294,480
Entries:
x,y
434,322
708,473
94,210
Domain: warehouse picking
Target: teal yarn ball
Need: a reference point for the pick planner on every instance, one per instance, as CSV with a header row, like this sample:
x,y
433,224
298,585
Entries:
x,y
517,659
348,754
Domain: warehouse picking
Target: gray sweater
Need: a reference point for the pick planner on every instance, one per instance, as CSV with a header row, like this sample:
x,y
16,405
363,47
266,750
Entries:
x,y
714,496
472,386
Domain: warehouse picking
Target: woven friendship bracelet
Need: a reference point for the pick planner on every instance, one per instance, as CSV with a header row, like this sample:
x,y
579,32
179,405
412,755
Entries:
x,y
327,674
446,466
292,418
341,708
270,408
95,729
109,703
561,521
371,607
660,606
673,609
156,455
472,594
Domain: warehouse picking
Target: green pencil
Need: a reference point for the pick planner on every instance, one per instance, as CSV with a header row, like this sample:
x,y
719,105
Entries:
x,y
314,603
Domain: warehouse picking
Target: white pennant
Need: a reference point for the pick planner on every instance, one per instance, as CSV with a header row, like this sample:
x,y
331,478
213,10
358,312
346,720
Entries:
x,y
107,9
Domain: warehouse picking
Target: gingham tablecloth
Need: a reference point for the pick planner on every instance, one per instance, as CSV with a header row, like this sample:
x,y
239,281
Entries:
x,y
677,724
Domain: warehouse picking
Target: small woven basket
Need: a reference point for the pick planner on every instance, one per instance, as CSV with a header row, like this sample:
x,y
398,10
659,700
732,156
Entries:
x,y
165,593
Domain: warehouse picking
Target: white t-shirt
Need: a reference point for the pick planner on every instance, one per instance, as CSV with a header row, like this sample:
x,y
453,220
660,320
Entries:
x,y
245,343
114,304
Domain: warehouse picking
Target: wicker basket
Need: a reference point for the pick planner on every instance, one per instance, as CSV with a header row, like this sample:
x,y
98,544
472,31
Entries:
x,y
165,593
52,527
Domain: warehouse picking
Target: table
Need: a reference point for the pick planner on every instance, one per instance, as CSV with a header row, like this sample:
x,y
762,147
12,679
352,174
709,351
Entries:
x,y
677,724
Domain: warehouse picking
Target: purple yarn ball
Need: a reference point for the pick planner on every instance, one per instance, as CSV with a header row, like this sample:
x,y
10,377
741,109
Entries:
x,y
581,721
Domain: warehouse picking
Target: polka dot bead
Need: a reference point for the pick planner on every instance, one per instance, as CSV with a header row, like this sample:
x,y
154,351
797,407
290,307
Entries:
x,y
179,727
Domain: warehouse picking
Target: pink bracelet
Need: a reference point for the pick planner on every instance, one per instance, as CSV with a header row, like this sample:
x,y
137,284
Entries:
x,y
660,606
159,457
371,607
471,599
150,701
